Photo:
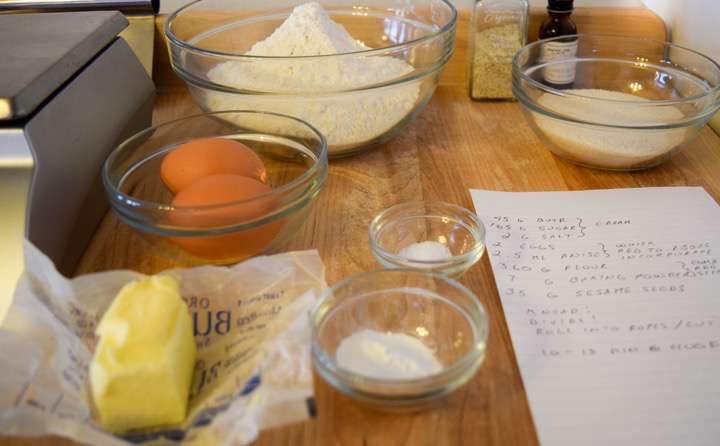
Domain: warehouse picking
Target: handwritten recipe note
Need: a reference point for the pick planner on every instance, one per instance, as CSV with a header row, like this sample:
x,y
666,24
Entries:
x,y
612,299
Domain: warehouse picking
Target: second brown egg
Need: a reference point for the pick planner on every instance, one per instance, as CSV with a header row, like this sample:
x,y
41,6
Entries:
x,y
219,201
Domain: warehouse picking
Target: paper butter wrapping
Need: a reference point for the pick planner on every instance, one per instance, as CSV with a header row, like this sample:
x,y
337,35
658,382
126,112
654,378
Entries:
x,y
253,366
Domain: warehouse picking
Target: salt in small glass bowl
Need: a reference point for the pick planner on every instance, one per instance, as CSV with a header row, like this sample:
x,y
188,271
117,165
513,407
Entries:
x,y
440,312
400,226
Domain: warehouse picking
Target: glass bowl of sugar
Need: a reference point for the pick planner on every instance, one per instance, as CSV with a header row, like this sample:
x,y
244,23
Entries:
x,y
619,103
430,236
398,339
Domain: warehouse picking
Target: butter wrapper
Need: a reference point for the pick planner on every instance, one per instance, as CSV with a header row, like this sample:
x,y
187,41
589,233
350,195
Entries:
x,y
253,367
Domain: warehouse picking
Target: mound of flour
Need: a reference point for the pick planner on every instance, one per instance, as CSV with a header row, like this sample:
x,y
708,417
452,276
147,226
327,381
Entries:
x,y
618,148
313,86
307,32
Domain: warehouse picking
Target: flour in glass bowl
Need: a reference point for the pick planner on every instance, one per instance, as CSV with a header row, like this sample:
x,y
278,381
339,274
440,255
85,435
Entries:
x,y
607,146
345,119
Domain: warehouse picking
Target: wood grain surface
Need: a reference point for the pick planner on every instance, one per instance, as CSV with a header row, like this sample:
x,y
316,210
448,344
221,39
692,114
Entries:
x,y
454,145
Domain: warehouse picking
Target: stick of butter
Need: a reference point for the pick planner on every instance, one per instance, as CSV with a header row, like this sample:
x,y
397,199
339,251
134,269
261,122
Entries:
x,y
141,373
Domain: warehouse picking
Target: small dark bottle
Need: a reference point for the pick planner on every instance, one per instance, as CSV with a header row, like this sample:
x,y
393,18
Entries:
x,y
559,75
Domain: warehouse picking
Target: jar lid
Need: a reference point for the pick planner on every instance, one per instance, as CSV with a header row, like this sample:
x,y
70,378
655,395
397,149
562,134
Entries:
x,y
560,5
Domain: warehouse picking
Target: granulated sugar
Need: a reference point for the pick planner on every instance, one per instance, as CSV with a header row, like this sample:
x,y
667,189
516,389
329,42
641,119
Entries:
x,y
345,119
377,354
607,146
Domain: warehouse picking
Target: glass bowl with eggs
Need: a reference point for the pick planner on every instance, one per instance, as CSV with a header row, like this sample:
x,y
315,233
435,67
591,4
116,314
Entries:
x,y
622,103
359,71
398,339
207,189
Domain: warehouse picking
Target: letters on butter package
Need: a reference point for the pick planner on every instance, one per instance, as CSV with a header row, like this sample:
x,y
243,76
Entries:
x,y
250,327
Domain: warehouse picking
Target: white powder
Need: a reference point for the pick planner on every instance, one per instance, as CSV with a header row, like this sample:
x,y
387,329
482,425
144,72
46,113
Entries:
x,y
426,251
307,32
375,354
609,147
345,119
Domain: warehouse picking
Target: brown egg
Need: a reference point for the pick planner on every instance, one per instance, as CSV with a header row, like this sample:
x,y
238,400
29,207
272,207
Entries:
x,y
219,189
231,248
199,158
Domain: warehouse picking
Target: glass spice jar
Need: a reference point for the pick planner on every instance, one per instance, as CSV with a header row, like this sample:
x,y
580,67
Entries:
x,y
498,30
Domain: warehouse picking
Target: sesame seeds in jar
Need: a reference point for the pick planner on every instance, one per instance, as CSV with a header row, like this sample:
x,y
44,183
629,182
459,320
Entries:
x,y
499,29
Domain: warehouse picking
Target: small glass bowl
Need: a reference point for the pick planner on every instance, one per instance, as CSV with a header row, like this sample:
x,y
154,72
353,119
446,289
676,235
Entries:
x,y
447,317
400,226
296,164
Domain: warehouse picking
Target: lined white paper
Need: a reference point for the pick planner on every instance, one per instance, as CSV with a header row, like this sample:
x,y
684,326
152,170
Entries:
x,y
612,299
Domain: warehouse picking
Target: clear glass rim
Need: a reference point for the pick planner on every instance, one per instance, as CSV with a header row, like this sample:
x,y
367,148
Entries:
x,y
539,85
138,204
416,75
479,322
700,118
447,27
477,229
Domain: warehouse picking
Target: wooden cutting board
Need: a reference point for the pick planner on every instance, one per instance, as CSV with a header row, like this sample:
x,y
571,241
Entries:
x,y
455,144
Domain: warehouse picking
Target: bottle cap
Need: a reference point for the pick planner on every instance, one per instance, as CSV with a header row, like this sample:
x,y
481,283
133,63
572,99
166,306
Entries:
x,y
560,5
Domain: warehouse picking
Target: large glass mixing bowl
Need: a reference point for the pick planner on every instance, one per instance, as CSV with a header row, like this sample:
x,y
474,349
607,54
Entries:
x,y
633,102
356,99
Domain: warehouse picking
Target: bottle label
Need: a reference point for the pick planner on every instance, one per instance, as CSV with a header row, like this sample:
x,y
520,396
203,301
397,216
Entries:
x,y
559,73
501,17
